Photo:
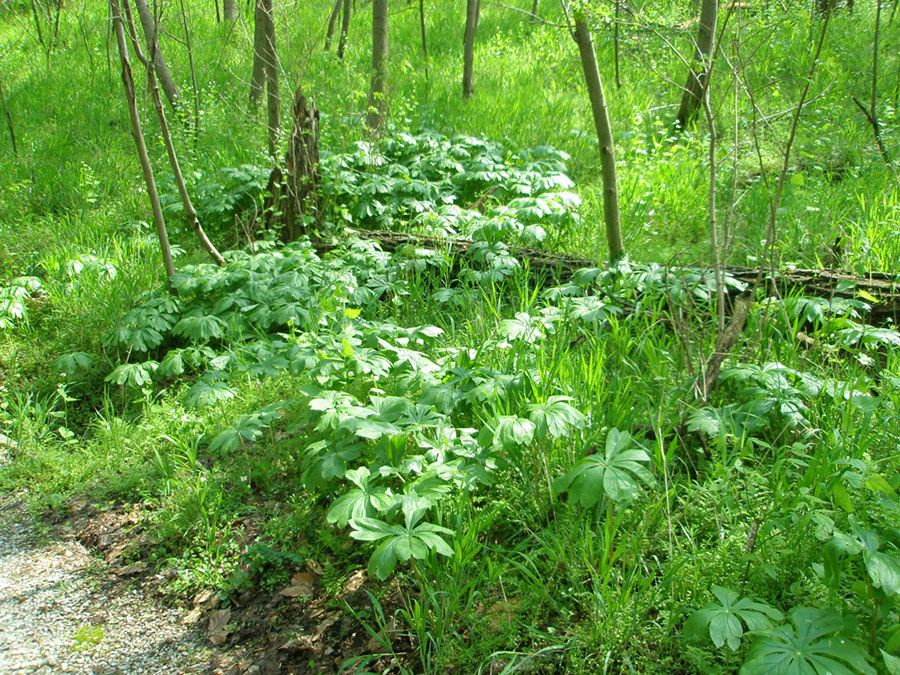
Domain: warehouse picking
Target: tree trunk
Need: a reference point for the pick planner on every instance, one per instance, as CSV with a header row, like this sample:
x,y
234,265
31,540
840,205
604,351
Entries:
x,y
375,114
128,82
189,211
473,8
604,137
296,191
345,28
9,122
273,122
258,78
230,10
424,34
148,24
332,20
696,79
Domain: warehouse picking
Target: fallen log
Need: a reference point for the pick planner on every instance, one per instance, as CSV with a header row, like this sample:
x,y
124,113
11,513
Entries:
x,y
828,284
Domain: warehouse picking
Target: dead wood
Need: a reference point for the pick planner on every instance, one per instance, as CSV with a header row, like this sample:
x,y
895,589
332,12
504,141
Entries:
x,y
559,268
295,190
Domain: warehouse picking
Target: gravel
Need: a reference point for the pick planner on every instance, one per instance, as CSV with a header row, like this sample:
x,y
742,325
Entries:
x,y
58,614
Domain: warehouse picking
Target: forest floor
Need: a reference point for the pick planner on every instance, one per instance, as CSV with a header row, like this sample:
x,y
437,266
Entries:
x,y
63,609
73,599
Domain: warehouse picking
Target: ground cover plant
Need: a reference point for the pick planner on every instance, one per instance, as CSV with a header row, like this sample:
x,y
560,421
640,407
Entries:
x,y
424,446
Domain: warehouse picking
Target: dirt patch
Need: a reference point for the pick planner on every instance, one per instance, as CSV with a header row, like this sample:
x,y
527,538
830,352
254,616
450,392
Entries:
x,y
299,628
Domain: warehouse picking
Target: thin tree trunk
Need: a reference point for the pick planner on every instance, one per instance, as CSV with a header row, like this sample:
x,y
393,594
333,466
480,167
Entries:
x,y
696,80
872,113
190,51
375,115
616,44
258,78
56,24
345,29
472,11
230,10
534,9
271,65
332,21
713,224
585,43
148,24
37,23
424,36
189,211
128,82
9,122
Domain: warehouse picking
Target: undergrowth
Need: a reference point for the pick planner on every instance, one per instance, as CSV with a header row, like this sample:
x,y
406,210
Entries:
x,y
525,466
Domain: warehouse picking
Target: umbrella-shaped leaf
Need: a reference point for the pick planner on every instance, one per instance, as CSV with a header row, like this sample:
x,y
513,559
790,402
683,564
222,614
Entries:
x,y
724,621
803,648
555,417
616,474
884,571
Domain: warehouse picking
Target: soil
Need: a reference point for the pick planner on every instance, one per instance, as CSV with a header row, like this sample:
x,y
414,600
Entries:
x,y
79,594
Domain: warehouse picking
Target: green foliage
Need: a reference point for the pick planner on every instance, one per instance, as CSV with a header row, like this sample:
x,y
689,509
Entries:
x,y
616,474
232,193
365,501
13,298
261,564
555,417
724,622
246,428
455,378
804,648
399,543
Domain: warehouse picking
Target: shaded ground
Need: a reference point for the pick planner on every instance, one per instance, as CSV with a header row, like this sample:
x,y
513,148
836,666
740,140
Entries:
x,y
76,597
59,612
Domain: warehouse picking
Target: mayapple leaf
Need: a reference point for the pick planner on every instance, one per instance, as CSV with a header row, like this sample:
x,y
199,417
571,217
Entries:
x,y
804,648
134,374
511,431
616,474
891,663
413,539
884,571
555,417
72,362
364,501
724,621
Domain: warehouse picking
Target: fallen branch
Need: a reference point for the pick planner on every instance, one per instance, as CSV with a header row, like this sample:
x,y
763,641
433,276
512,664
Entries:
x,y
559,268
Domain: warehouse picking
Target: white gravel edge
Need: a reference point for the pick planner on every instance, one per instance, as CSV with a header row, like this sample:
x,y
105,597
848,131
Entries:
x,y
56,617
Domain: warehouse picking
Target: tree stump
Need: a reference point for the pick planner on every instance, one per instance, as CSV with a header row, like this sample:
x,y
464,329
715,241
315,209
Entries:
x,y
294,192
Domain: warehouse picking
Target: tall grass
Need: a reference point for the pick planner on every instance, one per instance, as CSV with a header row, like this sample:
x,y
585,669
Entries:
x,y
536,580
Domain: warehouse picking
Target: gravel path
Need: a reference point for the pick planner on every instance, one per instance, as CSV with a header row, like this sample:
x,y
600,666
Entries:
x,y
57,614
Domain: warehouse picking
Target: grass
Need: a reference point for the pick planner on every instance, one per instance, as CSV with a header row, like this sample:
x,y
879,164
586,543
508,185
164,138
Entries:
x,y
481,428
